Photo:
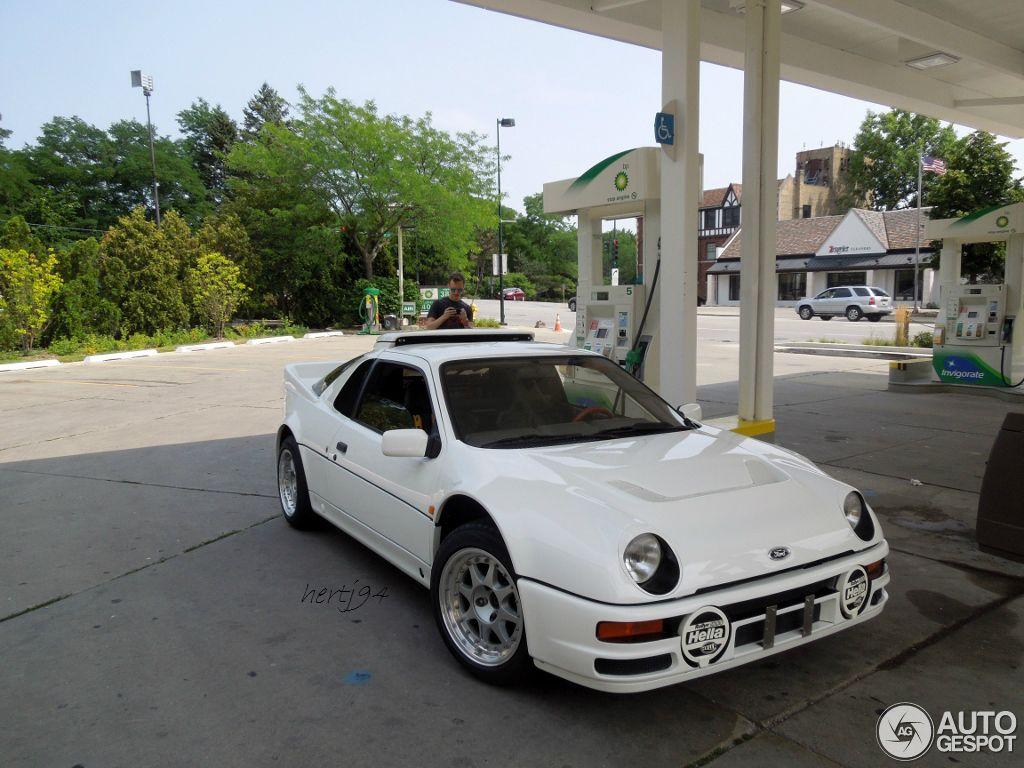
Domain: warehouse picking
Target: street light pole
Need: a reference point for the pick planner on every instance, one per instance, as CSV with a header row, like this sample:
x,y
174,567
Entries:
x,y
145,82
506,122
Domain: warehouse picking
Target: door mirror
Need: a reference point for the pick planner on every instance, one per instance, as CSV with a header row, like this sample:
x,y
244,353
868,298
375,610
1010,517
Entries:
x,y
405,443
691,411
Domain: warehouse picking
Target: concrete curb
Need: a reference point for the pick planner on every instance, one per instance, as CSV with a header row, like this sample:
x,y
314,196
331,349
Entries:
x,y
322,334
30,364
856,350
120,356
270,340
202,347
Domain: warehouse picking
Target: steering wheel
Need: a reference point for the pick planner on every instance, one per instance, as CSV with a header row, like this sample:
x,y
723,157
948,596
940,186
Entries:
x,y
593,411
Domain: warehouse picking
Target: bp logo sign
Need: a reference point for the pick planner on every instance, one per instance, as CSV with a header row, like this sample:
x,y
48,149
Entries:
x,y
705,636
621,181
853,592
1003,221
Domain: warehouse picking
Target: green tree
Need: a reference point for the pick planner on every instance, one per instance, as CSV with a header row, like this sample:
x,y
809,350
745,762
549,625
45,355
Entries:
x,y
215,287
81,306
225,234
142,275
377,172
209,133
27,283
266,106
979,173
883,168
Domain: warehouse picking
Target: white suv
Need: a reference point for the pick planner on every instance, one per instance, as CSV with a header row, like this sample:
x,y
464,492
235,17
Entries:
x,y
853,301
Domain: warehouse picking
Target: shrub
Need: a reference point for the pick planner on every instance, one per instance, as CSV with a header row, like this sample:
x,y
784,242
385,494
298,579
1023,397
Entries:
x,y
486,322
923,339
880,341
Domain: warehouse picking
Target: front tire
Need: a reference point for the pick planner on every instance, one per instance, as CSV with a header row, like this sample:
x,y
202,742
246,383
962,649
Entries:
x,y
292,491
853,314
476,604
806,313
572,305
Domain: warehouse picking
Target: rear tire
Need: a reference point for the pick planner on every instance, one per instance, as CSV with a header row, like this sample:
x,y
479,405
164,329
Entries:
x,y
825,317
292,491
476,604
874,318
806,313
853,314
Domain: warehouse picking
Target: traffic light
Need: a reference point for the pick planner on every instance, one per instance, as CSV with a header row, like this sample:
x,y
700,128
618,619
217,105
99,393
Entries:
x,y
606,247
615,248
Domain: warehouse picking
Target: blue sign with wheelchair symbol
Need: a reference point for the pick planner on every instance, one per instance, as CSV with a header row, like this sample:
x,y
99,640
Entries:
x,y
665,128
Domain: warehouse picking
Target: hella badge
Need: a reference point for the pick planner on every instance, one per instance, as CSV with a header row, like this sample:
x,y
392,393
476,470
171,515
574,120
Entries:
x,y
705,636
853,592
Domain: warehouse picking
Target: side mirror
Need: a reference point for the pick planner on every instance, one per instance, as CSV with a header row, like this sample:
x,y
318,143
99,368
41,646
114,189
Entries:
x,y
691,411
405,443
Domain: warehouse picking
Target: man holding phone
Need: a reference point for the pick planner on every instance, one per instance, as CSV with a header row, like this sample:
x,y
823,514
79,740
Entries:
x,y
450,312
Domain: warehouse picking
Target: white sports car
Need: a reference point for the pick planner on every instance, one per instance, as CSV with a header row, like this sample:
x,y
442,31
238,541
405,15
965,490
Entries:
x,y
563,515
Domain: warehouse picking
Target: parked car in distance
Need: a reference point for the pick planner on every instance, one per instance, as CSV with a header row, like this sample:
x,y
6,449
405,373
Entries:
x,y
513,294
572,304
850,301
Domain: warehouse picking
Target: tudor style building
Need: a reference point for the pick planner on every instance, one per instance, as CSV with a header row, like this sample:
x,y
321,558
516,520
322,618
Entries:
x,y
859,248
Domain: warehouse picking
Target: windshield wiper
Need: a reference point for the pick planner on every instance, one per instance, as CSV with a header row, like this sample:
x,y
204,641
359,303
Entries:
x,y
532,438
641,428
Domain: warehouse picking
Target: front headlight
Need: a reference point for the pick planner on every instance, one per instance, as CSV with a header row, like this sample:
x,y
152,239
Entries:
x,y
641,557
853,508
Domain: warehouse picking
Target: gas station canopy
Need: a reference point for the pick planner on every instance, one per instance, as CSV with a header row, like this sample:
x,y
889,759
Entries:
x,y
950,59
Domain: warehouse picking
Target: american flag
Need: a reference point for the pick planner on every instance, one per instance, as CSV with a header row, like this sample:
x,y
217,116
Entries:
x,y
933,164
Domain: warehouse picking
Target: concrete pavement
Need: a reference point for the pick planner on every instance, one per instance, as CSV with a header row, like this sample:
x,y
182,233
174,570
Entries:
x,y
151,605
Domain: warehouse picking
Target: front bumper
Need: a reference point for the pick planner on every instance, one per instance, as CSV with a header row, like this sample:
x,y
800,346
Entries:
x,y
562,639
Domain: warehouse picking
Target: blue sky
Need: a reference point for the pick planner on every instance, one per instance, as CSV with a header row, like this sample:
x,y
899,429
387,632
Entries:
x,y
575,98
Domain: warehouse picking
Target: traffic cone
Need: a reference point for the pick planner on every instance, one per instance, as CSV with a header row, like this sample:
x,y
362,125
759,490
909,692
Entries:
x,y
558,322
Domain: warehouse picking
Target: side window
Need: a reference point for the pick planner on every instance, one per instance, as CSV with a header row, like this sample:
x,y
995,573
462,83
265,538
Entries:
x,y
396,397
842,293
345,402
862,291
824,295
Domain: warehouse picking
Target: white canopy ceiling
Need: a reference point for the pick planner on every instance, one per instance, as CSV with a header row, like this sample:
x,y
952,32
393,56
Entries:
x,y
858,48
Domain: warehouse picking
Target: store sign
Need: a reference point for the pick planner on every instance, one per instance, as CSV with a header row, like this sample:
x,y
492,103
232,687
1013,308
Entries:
x,y
851,237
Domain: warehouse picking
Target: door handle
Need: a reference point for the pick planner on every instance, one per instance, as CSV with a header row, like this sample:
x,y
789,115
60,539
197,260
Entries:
x,y
342,447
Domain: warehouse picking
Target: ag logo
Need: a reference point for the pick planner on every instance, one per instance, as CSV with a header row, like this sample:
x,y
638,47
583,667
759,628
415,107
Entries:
x,y
1003,221
905,731
705,636
621,180
853,592
779,553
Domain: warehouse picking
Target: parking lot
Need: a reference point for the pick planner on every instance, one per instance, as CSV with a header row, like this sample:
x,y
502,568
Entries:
x,y
152,612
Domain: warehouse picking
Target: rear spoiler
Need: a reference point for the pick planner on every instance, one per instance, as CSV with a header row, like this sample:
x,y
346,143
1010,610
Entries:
x,y
468,335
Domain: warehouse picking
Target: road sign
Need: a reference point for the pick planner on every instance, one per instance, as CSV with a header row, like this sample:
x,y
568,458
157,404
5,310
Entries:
x,y
665,128
494,264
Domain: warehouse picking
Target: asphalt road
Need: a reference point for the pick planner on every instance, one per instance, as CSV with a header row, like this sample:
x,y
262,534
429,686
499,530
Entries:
x,y
715,324
151,595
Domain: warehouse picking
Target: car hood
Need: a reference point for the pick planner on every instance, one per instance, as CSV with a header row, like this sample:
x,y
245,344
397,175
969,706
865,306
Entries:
x,y
722,503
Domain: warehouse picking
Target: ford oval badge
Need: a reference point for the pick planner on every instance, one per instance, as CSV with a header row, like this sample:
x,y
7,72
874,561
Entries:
x,y
779,553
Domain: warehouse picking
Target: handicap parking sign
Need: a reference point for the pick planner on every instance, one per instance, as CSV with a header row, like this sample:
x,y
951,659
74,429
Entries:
x,y
665,128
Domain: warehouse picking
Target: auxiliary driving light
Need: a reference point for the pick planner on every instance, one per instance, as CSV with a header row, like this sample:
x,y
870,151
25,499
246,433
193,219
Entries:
x,y
642,557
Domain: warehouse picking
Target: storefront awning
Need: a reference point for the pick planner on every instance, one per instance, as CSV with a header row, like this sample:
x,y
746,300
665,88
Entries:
x,y
830,264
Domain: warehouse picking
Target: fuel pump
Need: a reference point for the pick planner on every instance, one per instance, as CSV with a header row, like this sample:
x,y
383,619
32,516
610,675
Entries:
x,y
975,340
617,321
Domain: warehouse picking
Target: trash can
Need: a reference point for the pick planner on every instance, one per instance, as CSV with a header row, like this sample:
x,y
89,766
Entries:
x,y
1001,505
390,322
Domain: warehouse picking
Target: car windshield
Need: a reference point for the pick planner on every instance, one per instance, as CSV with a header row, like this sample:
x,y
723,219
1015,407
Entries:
x,y
550,400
